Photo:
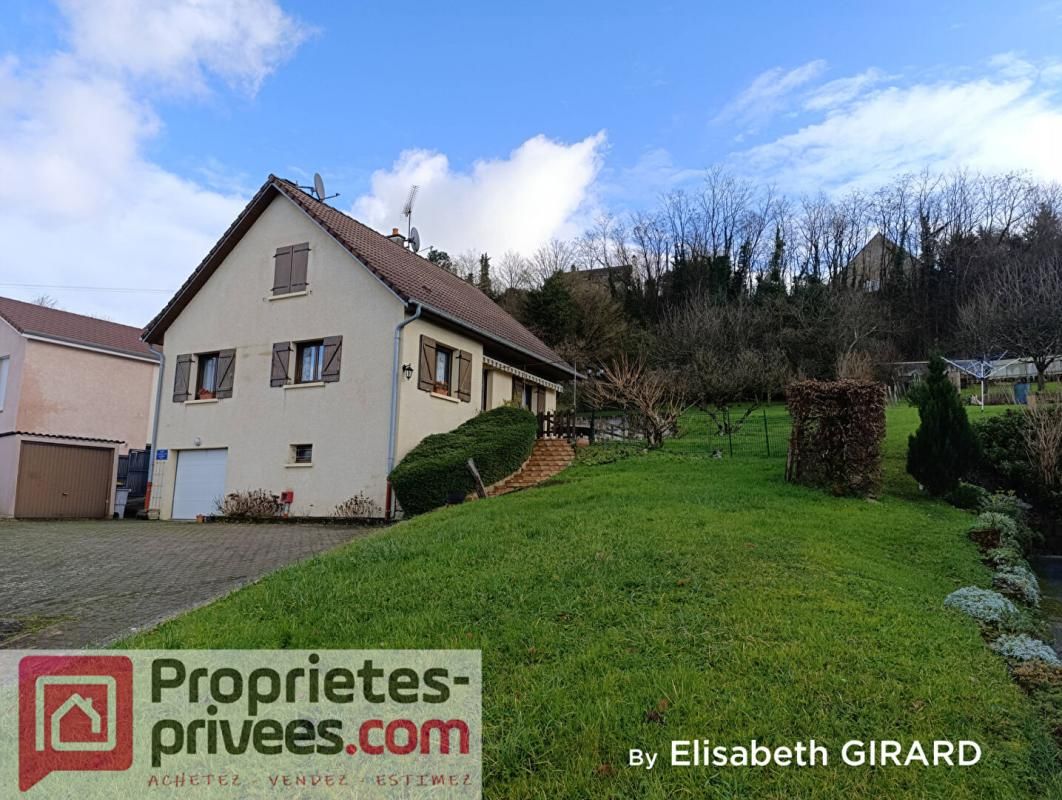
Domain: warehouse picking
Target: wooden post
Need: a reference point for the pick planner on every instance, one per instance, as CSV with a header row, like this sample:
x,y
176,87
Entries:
x,y
481,490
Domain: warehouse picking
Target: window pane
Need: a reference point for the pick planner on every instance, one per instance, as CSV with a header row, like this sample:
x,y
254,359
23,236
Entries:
x,y
303,453
310,355
442,366
208,370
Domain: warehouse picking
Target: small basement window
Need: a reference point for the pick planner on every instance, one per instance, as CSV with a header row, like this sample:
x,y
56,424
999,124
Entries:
x,y
309,361
444,359
302,454
206,376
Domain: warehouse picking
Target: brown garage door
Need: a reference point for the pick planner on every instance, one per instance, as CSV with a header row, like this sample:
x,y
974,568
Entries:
x,y
60,480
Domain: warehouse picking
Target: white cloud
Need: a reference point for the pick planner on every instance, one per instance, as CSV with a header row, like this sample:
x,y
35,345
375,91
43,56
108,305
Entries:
x,y
839,91
81,203
541,190
178,42
769,90
1007,119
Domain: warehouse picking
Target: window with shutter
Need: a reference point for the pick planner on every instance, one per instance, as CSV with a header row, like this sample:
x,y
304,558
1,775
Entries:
x,y
426,375
540,397
281,360
182,375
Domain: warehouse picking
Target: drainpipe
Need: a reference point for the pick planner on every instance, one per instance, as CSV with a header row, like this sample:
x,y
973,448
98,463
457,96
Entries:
x,y
154,427
393,429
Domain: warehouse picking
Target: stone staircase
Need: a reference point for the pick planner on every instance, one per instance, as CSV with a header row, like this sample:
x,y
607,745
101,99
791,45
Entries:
x,y
548,457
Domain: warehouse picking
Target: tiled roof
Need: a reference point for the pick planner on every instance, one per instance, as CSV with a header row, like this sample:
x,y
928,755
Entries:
x,y
51,323
411,277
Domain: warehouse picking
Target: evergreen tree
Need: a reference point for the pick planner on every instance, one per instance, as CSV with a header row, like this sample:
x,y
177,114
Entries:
x,y
484,282
943,447
550,310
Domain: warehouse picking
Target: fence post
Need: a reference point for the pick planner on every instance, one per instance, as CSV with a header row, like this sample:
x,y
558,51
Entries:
x,y
766,432
593,425
729,431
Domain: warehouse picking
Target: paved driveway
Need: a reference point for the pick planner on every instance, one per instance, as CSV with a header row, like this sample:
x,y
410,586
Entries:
x,y
85,584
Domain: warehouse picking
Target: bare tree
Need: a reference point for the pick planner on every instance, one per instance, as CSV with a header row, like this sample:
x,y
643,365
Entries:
x,y
1019,310
554,256
45,300
1043,442
513,271
656,395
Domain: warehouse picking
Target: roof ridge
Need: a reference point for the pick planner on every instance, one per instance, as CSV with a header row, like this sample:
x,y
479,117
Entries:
x,y
38,308
369,229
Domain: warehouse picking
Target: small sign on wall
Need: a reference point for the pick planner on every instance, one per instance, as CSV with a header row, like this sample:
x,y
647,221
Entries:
x,y
162,455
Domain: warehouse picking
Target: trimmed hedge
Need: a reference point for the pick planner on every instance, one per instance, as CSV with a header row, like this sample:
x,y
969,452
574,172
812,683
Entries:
x,y
436,470
838,429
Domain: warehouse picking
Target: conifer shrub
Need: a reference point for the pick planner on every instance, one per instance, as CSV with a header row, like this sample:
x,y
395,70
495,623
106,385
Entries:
x,y
499,441
943,448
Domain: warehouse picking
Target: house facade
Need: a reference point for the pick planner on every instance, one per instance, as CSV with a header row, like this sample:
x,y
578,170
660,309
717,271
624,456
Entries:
x,y
308,353
75,393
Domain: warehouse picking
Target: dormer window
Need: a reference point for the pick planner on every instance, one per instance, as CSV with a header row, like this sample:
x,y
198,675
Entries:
x,y
289,268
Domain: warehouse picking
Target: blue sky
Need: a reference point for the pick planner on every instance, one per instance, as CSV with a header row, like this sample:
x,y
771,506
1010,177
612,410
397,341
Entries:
x,y
145,126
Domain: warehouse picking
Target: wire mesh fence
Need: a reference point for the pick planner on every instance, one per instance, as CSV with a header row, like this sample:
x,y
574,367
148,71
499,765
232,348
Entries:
x,y
761,431
733,433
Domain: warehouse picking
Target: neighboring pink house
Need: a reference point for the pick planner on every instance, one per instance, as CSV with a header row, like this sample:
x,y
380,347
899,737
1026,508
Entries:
x,y
75,393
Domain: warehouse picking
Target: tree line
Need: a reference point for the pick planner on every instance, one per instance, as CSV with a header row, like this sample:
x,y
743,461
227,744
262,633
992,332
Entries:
x,y
741,288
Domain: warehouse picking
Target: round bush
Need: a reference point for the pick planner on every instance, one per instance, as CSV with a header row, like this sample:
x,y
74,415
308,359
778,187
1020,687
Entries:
x,y
1018,582
994,521
434,471
968,496
981,604
1023,647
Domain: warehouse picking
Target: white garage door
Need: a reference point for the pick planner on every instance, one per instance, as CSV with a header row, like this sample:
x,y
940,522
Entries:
x,y
200,482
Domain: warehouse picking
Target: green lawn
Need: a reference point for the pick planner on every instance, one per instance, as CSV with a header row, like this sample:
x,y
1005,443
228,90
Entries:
x,y
742,606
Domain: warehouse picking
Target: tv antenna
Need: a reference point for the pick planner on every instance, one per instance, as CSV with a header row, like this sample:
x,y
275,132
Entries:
x,y
318,188
407,209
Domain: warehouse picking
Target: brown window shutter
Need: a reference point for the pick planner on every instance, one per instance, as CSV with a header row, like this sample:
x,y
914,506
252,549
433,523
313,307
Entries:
x,y
540,398
300,256
182,374
226,373
281,359
426,376
518,390
464,376
333,355
282,270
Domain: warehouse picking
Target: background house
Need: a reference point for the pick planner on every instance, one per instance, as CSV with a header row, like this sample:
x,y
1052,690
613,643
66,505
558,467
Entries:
x,y
75,394
878,258
308,353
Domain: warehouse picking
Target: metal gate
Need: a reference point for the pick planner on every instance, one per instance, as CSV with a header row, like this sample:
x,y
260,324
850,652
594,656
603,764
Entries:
x,y
63,481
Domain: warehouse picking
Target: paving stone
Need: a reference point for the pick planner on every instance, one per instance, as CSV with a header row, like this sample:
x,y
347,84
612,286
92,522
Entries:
x,y
103,580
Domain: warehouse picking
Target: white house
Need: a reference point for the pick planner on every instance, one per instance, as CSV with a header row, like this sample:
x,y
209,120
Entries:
x,y
308,353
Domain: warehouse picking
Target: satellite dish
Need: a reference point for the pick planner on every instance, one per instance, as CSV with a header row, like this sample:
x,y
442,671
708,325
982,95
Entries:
x,y
318,185
414,240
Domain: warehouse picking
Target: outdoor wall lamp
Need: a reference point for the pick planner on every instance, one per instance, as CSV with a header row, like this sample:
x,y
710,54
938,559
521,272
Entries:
x,y
407,370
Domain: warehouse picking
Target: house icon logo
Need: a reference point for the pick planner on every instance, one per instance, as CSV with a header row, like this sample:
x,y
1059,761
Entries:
x,y
75,714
